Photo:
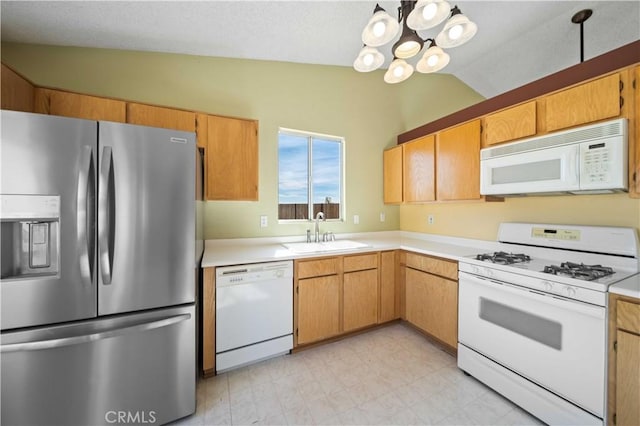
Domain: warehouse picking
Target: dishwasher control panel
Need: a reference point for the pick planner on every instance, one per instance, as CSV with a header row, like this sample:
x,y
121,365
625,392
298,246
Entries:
x,y
230,275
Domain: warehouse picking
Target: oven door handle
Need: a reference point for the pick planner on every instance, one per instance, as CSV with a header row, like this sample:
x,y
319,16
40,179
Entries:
x,y
573,305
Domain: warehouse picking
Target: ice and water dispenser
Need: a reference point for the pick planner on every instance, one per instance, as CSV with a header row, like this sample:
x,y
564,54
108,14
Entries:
x,y
30,235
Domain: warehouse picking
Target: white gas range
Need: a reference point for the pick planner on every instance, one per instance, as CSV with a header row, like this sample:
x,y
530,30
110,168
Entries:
x,y
533,317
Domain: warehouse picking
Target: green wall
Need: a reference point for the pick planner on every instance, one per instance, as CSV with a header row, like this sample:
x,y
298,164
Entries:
x,y
363,109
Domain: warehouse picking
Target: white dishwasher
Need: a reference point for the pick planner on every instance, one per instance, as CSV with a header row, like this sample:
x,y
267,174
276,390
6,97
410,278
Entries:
x,y
254,313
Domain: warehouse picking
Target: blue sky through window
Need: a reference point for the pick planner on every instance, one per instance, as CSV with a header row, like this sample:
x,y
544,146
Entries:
x,y
293,164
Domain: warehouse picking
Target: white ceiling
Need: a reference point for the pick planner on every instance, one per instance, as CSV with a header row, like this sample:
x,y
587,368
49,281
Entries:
x,y
517,41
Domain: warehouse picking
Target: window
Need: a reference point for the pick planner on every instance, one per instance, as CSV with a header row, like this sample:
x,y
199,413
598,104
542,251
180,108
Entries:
x,y
310,175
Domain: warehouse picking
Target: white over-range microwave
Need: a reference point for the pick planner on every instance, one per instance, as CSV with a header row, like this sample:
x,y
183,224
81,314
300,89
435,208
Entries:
x,y
584,160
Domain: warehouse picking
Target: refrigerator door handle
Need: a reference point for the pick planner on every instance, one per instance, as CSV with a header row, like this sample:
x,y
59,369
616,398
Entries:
x,y
85,214
106,215
92,337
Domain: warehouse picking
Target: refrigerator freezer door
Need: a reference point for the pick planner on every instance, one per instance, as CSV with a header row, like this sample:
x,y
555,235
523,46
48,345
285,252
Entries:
x,y
137,368
48,195
146,218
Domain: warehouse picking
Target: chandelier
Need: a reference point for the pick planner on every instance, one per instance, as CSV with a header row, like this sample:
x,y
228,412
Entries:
x,y
413,16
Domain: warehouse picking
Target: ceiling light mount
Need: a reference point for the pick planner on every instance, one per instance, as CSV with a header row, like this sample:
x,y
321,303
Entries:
x,y
413,16
579,18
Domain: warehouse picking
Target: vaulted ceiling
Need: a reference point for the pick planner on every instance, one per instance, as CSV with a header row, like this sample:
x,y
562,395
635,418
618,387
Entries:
x,y
517,41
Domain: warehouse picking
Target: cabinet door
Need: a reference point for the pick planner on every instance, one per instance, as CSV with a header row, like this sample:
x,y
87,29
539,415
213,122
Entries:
x,y
167,118
634,181
318,308
208,321
360,299
416,298
392,163
388,288
593,101
510,124
88,107
419,170
16,92
232,159
628,379
432,305
458,158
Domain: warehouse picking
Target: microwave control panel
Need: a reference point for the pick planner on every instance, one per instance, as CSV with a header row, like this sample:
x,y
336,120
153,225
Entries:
x,y
600,165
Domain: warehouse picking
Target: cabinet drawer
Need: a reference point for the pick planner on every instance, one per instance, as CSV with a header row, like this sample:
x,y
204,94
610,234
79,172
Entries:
x,y
317,268
433,265
628,316
360,262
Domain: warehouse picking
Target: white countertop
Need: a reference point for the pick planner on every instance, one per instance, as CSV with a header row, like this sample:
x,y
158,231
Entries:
x,y
629,287
253,250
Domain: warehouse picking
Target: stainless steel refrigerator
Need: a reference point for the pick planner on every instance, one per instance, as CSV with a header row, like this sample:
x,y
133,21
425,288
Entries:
x,y
98,272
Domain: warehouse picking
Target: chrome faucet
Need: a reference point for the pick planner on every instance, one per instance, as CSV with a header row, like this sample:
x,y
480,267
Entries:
x,y
319,216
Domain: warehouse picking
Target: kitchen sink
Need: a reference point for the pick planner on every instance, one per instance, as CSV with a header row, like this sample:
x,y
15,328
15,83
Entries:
x,y
338,245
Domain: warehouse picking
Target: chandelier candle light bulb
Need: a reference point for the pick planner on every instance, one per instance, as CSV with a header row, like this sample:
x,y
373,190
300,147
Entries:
x,y
413,16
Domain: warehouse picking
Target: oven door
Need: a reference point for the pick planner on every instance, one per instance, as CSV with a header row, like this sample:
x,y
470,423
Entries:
x,y
557,343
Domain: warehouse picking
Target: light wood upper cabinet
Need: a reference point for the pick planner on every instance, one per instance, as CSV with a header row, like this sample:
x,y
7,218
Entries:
x,y
167,118
419,170
17,93
231,157
458,159
74,105
586,103
392,171
510,124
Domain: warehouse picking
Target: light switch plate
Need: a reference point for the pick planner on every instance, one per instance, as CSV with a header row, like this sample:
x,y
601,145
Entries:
x,y
356,219
382,217
263,221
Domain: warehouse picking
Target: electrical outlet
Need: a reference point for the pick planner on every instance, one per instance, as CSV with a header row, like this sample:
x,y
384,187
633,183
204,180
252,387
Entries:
x,y
263,221
430,219
381,217
356,219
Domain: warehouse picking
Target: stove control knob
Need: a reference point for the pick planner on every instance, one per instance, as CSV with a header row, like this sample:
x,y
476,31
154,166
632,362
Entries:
x,y
475,269
547,285
489,272
571,292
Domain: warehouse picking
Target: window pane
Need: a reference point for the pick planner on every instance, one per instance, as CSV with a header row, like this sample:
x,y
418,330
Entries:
x,y
326,177
293,186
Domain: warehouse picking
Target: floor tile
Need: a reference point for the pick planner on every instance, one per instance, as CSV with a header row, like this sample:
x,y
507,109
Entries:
x,y
389,376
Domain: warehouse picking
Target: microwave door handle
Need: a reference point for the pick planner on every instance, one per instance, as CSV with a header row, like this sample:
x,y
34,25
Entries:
x,y
84,209
106,221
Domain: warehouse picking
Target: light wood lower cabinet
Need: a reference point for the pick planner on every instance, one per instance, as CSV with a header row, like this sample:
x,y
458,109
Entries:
x,y
432,300
341,294
208,340
389,287
360,291
624,361
318,308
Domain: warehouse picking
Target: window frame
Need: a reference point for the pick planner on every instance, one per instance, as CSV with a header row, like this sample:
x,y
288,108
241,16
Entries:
x,y
310,136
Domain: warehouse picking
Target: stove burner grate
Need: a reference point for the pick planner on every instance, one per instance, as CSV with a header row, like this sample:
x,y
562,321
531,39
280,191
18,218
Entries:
x,y
503,257
579,271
